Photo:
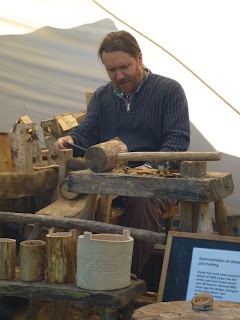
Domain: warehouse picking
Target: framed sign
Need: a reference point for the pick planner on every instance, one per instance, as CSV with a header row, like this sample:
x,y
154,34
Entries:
x,y
196,263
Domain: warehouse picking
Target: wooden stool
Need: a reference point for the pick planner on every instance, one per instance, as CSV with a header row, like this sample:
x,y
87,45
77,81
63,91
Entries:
x,y
182,310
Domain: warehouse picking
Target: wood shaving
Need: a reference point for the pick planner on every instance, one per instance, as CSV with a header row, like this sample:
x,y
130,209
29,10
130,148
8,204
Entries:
x,y
147,172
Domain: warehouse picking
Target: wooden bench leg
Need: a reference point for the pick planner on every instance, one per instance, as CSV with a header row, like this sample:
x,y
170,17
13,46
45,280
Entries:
x,y
127,311
221,214
204,219
61,310
185,210
107,313
33,308
168,224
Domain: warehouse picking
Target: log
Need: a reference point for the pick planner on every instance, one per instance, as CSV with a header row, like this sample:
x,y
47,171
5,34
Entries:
x,y
7,258
32,260
70,223
103,156
61,256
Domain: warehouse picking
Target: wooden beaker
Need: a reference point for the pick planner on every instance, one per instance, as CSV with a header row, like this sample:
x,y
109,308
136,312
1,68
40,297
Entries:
x,y
7,258
6,163
104,260
32,260
61,256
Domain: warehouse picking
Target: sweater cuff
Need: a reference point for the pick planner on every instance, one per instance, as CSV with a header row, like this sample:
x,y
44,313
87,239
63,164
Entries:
x,y
150,165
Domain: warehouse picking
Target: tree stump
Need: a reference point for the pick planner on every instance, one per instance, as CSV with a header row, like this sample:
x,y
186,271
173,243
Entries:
x,y
32,260
7,258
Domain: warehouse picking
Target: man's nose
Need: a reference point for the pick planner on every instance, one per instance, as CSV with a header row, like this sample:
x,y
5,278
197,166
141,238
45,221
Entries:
x,y
119,75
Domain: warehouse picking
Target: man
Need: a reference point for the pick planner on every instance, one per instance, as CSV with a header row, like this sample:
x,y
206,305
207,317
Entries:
x,y
147,112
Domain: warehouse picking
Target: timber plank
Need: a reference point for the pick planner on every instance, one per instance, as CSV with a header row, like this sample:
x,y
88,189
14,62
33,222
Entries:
x,y
212,187
64,208
70,292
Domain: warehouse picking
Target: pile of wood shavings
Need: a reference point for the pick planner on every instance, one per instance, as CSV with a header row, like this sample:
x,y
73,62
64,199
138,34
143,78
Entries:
x,y
147,172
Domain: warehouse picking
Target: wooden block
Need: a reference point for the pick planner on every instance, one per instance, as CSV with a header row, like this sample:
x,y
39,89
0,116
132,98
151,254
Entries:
x,y
190,169
80,115
67,121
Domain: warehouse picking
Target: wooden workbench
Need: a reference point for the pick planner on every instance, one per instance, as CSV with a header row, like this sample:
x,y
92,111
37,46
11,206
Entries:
x,y
212,187
106,301
195,188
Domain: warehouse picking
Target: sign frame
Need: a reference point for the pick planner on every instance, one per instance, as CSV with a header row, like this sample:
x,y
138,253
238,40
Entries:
x,y
175,237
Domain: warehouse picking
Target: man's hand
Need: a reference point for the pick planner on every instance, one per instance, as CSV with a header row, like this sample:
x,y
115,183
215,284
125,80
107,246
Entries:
x,y
60,143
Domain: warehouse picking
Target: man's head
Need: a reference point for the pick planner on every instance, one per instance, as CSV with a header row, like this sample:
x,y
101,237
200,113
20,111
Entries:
x,y
122,58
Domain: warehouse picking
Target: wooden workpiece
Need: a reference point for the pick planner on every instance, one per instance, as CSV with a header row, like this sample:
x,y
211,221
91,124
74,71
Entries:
x,y
182,310
212,187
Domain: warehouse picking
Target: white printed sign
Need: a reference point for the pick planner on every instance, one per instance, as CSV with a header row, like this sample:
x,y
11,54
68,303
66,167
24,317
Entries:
x,y
216,272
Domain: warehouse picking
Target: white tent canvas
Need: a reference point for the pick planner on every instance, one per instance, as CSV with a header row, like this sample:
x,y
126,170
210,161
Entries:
x,y
48,60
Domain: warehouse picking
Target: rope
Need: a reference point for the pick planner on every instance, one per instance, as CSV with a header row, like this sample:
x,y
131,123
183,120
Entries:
x,y
169,53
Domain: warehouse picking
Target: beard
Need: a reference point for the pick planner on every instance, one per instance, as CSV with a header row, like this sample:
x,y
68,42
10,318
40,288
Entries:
x,y
129,84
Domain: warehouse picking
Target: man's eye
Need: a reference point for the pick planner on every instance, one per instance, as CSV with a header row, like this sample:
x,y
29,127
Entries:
x,y
124,67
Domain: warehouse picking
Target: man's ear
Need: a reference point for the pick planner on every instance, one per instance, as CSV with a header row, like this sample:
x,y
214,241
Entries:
x,y
140,61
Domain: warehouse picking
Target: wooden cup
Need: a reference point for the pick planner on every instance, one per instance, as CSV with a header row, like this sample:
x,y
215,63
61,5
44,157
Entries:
x,y
7,258
61,256
32,260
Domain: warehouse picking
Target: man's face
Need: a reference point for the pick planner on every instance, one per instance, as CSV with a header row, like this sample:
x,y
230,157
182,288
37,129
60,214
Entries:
x,y
124,70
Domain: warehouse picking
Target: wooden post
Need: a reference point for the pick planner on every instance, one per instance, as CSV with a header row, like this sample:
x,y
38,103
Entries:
x,y
103,212
61,257
221,214
32,260
7,258
185,210
204,219
6,163
64,156
189,211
